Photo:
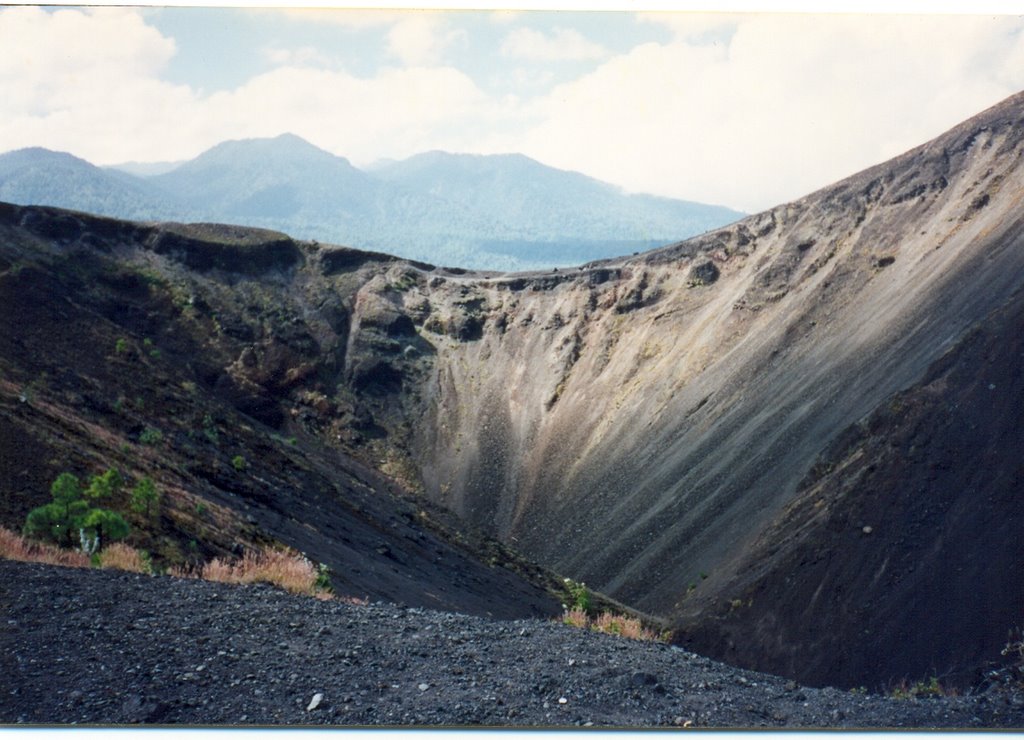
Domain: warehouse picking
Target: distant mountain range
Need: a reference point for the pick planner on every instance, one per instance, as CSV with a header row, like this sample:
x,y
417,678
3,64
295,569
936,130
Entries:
x,y
502,212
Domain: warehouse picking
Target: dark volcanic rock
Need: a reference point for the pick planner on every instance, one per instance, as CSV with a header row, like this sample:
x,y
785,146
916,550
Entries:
x,y
228,373
224,250
913,507
169,651
704,274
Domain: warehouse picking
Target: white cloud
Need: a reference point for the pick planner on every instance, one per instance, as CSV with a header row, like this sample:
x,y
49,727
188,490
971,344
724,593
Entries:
x,y
563,44
787,104
397,113
84,80
767,110
304,56
421,38
87,82
46,55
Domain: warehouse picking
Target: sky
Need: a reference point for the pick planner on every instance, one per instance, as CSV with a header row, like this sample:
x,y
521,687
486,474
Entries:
x,y
744,109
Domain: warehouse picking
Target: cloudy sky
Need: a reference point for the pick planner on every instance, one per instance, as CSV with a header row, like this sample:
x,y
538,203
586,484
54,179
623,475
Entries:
x,y
746,110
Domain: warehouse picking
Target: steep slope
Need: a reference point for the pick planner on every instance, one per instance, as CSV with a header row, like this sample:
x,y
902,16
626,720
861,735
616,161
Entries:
x,y
907,524
35,176
181,353
637,423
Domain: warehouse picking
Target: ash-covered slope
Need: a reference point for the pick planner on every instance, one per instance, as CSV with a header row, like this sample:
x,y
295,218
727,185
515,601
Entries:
x,y
638,423
905,531
181,353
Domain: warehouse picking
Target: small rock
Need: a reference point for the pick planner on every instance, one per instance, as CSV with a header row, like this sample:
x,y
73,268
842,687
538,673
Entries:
x,y
791,686
423,686
867,529
562,700
315,701
641,678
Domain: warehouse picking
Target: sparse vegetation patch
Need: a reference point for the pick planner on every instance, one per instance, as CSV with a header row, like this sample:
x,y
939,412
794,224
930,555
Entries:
x,y
610,624
286,570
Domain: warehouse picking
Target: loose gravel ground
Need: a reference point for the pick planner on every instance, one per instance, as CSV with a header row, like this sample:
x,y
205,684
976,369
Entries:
x,y
104,647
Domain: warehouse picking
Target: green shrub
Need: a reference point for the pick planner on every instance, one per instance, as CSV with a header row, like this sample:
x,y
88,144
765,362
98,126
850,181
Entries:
x,y
931,687
210,429
70,515
104,526
323,579
151,436
238,463
104,486
579,595
59,521
145,496
121,346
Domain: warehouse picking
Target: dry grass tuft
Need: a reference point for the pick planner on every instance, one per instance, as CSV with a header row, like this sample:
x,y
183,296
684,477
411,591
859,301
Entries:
x,y
117,556
625,626
181,571
576,618
611,624
289,571
120,556
15,547
286,570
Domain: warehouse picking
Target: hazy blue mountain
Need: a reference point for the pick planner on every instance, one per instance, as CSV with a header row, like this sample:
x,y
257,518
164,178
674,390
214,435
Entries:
x,y
144,169
504,212
535,202
542,216
280,178
288,184
39,176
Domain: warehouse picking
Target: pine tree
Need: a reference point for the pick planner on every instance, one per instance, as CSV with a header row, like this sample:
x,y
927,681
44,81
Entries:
x,y
144,496
105,486
106,526
70,512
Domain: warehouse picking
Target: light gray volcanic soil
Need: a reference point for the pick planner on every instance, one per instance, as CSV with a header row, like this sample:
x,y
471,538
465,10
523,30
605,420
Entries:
x,y
104,647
